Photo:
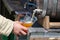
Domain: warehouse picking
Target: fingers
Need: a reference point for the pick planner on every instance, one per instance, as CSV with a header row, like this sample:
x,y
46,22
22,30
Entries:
x,y
19,29
23,30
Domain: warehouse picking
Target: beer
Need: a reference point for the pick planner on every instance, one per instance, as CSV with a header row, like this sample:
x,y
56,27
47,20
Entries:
x,y
27,24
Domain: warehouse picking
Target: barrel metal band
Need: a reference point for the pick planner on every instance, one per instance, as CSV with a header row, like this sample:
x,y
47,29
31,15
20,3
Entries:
x,y
54,7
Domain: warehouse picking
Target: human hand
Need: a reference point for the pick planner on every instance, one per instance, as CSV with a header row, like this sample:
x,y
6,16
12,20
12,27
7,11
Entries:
x,y
18,29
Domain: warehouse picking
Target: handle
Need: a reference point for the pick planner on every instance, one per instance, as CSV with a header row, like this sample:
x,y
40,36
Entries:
x,y
47,24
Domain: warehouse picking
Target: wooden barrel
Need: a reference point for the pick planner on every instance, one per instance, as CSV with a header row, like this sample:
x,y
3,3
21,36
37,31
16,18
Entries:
x,y
52,8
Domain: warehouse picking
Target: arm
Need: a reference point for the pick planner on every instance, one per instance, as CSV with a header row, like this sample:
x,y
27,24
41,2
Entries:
x,y
6,25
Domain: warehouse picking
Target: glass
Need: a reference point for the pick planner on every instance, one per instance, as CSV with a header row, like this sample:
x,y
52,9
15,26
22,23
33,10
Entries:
x,y
27,20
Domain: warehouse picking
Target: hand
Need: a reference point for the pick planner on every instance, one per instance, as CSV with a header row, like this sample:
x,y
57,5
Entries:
x,y
18,29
